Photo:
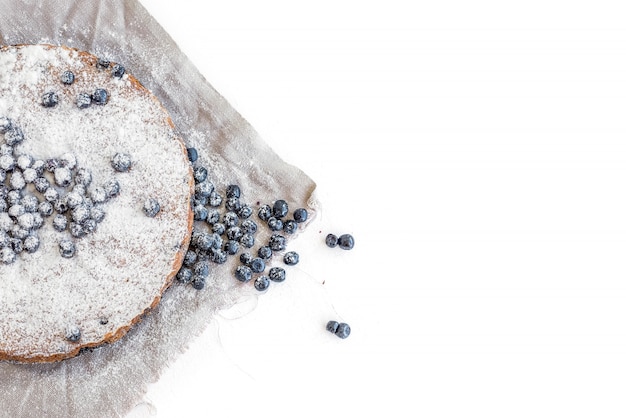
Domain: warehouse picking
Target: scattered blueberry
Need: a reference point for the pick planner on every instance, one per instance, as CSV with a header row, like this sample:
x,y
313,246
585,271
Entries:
x,y
346,242
218,228
247,240
300,215
59,222
67,248
72,333
291,258
332,326
332,240
198,282
50,99
277,242
67,77
215,199
248,226
290,226
121,162
201,268
83,100
200,213
231,247
343,330
280,209
103,63
200,174
192,154
243,273
233,204
245,258
204,189
190,258
213,216
62,176
112,188
257,265
7,255
31,243
265,212
245,211
100,96
5,124
184,275
275,224
118,71
230,219
83,176
14,136
277,274
233,191
264,252
261,283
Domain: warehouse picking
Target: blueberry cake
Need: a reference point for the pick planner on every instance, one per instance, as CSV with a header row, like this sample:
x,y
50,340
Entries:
x,y
95,191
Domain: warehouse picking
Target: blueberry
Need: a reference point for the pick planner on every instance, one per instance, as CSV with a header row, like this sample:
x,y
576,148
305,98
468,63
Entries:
x,y
300,215
103,63
291,258
204,189
112,188
192,154
200,213
233,191
243,273
59,222
332,240
62,176
234,233
6,149
280,209
83,176
261,283
275,224
7,255
51,164
200,174
5,124
67,77
231,247
190,258
215,199
72,333
245,211
277,242
217,241
50,99
265,212
218,228
290,226
50,194
121,162
245,258
17,245
217,256
184,275
98,195
198,282
248,226
5,240
343,330
97,214
201,268
26,221
332,326
90,225
81,213
232,204
73,199
265,252
100,96
14,136
67,248
83,100
247,240
45,208
29,175
257,265
16,210
277,274
39,166
77,230
213,216
7,162
230,219
14,197
61,205
24,161
118,71
346,242
31,243
204,241
17,181
68,160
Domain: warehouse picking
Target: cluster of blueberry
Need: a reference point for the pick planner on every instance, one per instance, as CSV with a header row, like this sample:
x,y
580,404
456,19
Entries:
x,y
345,241
341,330
33,189
231,227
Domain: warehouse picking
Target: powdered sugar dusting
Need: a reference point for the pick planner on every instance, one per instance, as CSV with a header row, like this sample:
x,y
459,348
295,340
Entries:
x,y
120,269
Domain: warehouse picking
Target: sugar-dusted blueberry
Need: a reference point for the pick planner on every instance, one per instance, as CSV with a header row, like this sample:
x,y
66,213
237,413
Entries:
x,y
198,282
243,273
61,205
16,210
277,274
6,222
5,124
6,149
30,203
200,213
151,207
300,215
246,259
14,197
184,275
332,326
7,255
233,190
5,240
118,71
74,199
257,265
45,208
290,226
98,195
232,204
89,225
291,258
77,230
245,211
67,248
68,160
265,252
31,243
200,174
275,224
192,154
83,100
7,162
201,268
280,208
14,136
62,176
50,99
218,242
72,333
112,188
343,330
17,181
332,240
80,213
97,213
42,185
50,194
83,176
218,228
248,226
204,241
67,77
103,63
26,221
215,199
217,256
204,189
345,242
121,162
261,283
265,212
247,240
190,258
30,174
277,242
100,96
39,166
24,161
213,216
4,206
59,222
231,247
17,245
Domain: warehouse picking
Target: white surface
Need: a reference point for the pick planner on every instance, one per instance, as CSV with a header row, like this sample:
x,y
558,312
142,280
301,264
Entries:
x,y
477,153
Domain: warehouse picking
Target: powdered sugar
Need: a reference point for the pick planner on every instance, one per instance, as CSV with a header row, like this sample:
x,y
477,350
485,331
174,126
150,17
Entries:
x,y
122,268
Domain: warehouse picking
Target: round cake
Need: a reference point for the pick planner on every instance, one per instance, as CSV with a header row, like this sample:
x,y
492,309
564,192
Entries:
x,y
95,191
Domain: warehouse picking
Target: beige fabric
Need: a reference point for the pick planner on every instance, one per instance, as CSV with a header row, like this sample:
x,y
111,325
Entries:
x,y
110,380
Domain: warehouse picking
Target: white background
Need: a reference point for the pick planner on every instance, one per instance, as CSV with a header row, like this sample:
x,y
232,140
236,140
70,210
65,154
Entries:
x,y
477,152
